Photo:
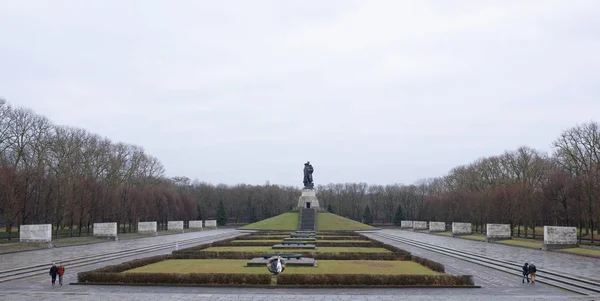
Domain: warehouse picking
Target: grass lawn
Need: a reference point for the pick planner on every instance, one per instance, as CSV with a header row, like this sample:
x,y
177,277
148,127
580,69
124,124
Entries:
x,y
268,249
444,233
385,267
285,221
327,222
474,237
524,243
582,251
21,247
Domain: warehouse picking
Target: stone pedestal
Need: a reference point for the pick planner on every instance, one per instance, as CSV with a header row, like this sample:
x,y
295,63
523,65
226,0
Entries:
x,y
308,199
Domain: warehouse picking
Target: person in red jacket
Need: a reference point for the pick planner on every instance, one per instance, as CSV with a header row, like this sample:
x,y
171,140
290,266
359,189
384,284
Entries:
x,y
61,272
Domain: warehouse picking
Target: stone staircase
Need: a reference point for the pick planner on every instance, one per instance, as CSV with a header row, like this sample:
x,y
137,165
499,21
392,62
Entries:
x,y
308,218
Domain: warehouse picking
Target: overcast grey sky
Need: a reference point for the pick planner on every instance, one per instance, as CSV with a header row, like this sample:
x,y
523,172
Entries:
x,y
247,91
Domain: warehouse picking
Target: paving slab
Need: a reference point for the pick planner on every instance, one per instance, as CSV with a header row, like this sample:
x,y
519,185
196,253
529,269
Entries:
x,y
574,265
94,296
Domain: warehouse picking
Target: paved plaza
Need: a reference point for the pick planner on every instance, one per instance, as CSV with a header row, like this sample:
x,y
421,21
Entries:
x,y
496,285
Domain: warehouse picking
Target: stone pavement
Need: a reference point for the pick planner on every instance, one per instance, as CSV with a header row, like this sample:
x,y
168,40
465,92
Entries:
x,y
492,281
308,296
579,266
496,285
47,256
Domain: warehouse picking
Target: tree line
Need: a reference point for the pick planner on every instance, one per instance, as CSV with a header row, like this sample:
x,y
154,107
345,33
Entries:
x,y
523,187
72,178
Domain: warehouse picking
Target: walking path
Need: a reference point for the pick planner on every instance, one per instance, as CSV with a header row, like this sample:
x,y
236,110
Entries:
x,y
574,265
47,256
496,285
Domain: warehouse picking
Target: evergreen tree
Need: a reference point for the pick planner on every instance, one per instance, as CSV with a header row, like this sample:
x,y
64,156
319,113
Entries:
x,y
221,215
329,208
399,216
367,217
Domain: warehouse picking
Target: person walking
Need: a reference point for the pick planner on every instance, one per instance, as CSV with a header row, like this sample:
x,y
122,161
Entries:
x,y
61,272
525,272
532,271
53,273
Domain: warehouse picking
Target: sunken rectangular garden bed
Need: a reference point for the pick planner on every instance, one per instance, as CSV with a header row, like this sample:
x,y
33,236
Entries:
x,y
358,261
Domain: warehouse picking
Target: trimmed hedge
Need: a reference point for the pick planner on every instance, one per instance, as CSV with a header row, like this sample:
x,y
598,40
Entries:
x,y
332,237
270,233
436,266
113,274
365,279
192,278
317,256
337,233
128,265
261,237
433,265
358,244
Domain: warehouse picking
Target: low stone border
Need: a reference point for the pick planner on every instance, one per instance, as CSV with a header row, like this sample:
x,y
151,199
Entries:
x,y
277,286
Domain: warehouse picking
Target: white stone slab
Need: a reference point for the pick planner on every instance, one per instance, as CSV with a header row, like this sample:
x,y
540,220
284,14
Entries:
x,y
210,223
462,229
175,225
437,226
105,229
147,227
35,233
559,237
406,224
420,225
196,224
497,232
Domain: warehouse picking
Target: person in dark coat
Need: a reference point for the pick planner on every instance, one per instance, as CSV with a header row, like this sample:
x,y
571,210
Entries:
x,y
532,271
53,273
525,272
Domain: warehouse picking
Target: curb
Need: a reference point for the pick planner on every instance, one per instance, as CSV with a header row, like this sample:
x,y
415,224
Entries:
x,y
275,286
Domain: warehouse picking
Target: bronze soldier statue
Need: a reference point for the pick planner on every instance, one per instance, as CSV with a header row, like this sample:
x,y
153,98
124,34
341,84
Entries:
x,y
308,179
